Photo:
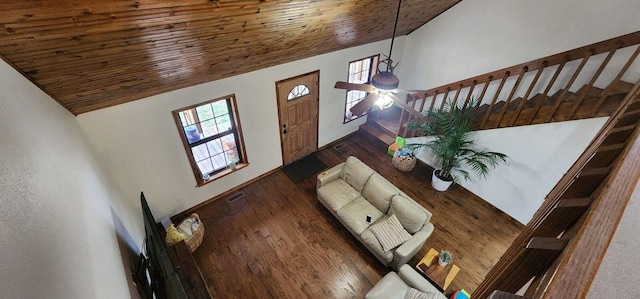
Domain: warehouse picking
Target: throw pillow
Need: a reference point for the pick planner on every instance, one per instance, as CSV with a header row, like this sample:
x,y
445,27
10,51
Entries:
x,y
410,215
390,233
417,294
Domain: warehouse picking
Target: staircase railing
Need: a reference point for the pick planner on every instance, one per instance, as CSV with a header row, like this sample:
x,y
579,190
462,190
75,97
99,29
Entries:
x,y
563,244
503,94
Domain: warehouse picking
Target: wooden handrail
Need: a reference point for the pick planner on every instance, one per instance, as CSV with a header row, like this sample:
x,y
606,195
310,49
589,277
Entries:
x,y
597,48
518,71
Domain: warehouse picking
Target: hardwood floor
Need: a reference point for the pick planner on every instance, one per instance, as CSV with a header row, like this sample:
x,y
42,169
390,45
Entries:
x,y
278,241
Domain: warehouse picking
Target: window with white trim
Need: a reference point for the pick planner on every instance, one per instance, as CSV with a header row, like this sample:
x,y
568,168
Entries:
x,y
360,71
212,138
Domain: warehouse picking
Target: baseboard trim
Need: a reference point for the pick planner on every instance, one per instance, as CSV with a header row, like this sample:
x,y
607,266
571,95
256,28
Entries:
x,y
178,217
184,214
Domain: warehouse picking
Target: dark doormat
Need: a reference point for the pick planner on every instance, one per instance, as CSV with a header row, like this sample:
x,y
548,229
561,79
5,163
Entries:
x,y
304,168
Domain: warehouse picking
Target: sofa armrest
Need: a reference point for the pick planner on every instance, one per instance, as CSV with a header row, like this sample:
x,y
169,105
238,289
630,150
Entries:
x,y
411,277
329,175
411,247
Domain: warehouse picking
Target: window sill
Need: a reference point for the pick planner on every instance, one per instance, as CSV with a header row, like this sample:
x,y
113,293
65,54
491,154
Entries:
x,y
221,174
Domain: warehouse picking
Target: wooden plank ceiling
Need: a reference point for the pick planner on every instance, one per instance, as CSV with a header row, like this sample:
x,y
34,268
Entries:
x,y
90,55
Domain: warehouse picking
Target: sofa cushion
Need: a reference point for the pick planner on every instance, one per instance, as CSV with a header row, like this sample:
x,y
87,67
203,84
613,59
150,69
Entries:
x,y
391,286
379,192
374,246
356,173
411,216
354,214
390,233
336,194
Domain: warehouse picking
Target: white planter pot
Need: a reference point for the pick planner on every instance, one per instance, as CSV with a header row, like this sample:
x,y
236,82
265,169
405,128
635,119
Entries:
x,y
439,184
441,263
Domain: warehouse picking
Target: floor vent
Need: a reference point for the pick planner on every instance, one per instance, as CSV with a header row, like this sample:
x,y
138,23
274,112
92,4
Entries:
x,y
235,196
339,146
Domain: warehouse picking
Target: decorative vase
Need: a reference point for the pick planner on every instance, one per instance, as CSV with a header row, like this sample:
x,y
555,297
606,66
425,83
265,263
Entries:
x,y
403,163
438,183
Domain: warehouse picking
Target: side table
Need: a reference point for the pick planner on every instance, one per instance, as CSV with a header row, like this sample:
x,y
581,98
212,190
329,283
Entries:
x,y
439,276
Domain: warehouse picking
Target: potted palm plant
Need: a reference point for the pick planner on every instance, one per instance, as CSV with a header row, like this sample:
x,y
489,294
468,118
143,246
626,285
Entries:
x,y
452,143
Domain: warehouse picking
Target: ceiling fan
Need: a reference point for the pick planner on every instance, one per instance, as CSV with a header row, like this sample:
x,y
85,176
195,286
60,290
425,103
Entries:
x,y
383,84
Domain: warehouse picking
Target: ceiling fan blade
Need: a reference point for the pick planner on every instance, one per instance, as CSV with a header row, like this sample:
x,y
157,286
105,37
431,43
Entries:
x,y
404,105
364,105
354,86
408,90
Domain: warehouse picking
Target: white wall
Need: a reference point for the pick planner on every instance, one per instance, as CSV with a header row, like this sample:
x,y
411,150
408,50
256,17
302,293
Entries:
x,y
475,37
56,208
618,272
141,148
538,157
478,36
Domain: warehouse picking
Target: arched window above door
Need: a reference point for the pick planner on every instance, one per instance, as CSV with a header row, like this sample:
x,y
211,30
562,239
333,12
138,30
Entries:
x,y
297,92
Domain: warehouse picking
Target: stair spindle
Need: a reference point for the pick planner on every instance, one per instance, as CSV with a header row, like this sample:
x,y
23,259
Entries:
x,y
466,101
444,99
526,95
484,90
568,86
607,90
433,101
593,80
495,97
513,92
546,90
455,98
424,100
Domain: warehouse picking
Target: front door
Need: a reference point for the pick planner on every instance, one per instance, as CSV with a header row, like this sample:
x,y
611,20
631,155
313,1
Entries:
x,y
298,113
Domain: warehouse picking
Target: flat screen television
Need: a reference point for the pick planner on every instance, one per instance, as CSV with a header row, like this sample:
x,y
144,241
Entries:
x,y
161,277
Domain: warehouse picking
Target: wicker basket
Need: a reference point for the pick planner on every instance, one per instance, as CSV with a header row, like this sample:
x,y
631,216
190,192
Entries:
x,y
196,239
403,163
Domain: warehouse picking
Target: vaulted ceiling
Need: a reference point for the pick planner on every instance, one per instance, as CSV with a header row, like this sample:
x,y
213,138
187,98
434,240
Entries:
x,y
94,54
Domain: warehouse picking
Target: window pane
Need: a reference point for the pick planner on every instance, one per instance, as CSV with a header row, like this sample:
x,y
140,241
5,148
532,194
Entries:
x,y
224,123
215,146
205,166
186,117
220,108
359,72
230,141
204,112
211,136
219,161
183,121
232,155
192,133
209,128
200,152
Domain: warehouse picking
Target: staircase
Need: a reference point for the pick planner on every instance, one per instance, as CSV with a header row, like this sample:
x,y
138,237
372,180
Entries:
x,y
538,110
562,246
540,91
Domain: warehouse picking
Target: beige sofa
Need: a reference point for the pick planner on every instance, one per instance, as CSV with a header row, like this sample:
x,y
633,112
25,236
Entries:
x,y
352,190
394,285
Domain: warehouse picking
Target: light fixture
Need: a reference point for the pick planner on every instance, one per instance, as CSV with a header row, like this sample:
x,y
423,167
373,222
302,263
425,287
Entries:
x,y
384,100
386,80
